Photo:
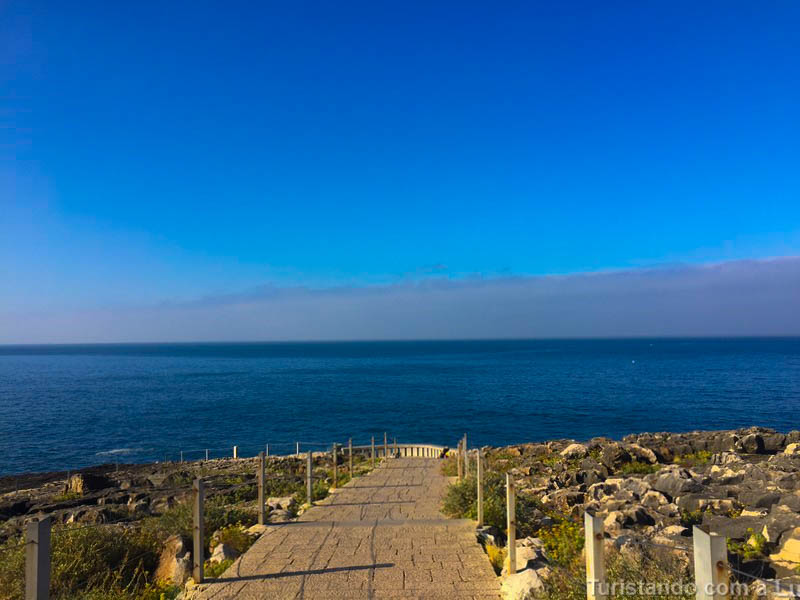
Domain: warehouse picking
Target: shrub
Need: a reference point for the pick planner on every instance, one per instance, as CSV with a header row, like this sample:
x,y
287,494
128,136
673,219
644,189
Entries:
x,y
213,569
750,549
563,541
638,468
234,536
461,501
700,457
497,557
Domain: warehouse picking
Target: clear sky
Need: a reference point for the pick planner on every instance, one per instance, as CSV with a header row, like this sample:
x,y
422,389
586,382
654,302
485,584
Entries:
x,y
172,153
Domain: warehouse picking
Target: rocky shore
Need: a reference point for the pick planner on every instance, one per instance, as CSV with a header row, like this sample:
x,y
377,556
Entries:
x,y
653,487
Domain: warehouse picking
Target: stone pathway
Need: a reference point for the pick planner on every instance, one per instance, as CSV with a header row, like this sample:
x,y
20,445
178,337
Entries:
x,y
381,536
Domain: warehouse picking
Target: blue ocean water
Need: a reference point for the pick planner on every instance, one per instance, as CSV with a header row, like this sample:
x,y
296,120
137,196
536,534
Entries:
x,y
64,407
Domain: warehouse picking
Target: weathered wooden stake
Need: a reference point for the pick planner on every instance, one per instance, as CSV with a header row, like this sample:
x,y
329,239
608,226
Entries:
x,y
309,488
595,558
479,471
266,447
206,453
262,517
37,560
298,448
460,464
334,454
236,452
710,565
350,457
466,457
511,521
373,451
181,455
198,555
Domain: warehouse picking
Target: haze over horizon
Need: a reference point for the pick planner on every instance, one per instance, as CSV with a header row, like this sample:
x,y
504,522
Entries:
x,y
308,172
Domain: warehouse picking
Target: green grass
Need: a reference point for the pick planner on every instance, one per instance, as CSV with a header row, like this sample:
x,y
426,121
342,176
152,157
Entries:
x,y
638,468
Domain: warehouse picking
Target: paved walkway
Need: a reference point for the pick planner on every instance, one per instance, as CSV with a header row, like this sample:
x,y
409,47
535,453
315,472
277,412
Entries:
x,y
381,536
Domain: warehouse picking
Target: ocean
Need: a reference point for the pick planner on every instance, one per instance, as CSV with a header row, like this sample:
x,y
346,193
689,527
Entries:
x,y
64,407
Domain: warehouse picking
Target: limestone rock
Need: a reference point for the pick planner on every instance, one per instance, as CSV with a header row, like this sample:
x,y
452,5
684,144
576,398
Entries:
x,y
223,552
175,562
86,483
522,586
789,553
284,503
574,451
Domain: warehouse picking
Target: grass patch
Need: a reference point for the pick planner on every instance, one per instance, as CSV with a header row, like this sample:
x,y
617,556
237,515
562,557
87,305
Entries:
x,y
563,541
638,468
701,457
214,569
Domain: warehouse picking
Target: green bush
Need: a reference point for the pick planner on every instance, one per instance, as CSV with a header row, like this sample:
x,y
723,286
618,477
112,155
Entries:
x,y
638,468
563,541
461,501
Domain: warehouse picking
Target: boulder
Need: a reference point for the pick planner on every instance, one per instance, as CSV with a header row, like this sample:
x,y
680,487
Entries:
x,y
574,451
223,552
758,498
642,454
530,555
675,481
614,456
283,503
86,483
522,586
788,555
175,562
792,449
752,443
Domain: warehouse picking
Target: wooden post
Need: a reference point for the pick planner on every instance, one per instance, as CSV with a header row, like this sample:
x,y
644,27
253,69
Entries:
x,y
394,450
335,467
466,457
37,560
350,457
198,555
479,470
309,488
710,565
266,447
298,448
460,464
206,453
181,456
262,517
385,446
373,451
595,558
236,452
511,521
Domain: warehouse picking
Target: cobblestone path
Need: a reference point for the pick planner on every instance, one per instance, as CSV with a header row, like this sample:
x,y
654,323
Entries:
x,y
381,536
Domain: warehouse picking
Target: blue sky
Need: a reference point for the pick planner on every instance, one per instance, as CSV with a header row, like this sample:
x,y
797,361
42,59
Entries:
x,y
157,153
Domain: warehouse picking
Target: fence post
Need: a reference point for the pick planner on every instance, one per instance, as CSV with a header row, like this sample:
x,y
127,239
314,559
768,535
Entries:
x,y
236,452
479,469
350,457
459,463
297,444
595,557
373,451
511,521
710,565
394,450
181,455
266,447
466,457
385,446
198,555
206,453
309,488
335,468
37,560
261,499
